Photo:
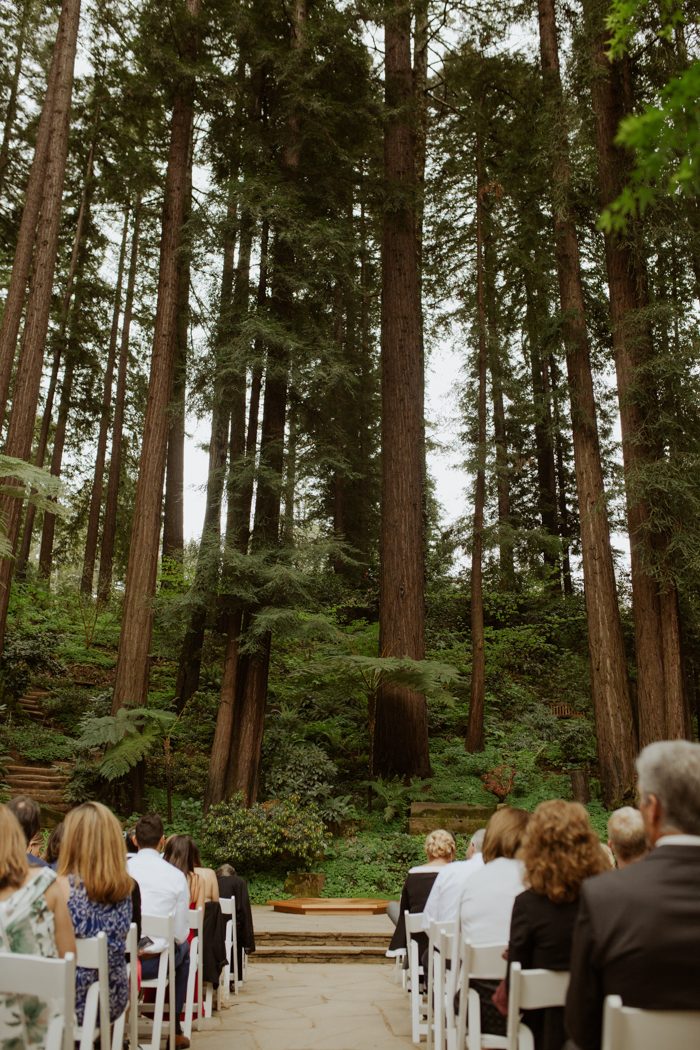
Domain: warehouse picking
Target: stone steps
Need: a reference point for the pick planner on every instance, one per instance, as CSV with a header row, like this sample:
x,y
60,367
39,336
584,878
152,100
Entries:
x,y
311,938
45,784
319,953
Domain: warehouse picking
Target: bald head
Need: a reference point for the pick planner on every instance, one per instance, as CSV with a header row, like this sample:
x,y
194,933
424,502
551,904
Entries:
x,y
627,836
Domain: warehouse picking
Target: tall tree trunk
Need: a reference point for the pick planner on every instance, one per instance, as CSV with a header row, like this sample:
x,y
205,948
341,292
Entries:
x,y
26,393
53,112
75,270
93,524
552,373
542,411
475,723
11,111
400,732
251,686
209,556
505,529
660,699
173,504
131,683
615,731
109,525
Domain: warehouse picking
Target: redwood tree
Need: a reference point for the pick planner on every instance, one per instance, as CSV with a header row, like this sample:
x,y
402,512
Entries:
x,y
400,730
615,731
131,683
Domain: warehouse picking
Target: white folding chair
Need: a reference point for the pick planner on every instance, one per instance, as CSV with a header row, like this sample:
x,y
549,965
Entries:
x,y
436,983
54,980
196,974
483,962
228,907
163,928
91,953
531,990
132,952
419,1002
629,1028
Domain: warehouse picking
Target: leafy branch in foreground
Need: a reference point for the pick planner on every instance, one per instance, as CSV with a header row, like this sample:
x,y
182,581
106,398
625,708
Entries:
x,y
18,476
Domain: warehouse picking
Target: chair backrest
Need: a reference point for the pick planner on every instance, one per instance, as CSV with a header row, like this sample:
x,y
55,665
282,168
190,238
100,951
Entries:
x,y
532,990
51,980
132,951
414,923
228,905
91,953
485,961
158,926
628,1028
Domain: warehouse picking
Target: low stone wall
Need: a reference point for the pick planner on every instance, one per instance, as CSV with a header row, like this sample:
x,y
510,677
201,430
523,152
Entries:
x,y
452,816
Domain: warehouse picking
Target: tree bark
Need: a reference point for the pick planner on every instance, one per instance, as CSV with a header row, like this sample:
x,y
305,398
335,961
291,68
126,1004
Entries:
x,y
551,374
26,393
93,524
109,526
53,115
475,722
615,731
400,744
660,697
131,683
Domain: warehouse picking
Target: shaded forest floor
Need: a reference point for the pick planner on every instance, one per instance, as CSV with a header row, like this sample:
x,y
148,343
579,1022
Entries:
x,y
316,751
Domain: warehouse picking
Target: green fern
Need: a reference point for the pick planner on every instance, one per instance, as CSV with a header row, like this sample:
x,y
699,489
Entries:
x,y
423,676
127,737
23,480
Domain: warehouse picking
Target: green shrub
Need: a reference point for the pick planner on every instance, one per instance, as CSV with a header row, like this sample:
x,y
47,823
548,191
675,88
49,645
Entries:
x,y
37,743
276,834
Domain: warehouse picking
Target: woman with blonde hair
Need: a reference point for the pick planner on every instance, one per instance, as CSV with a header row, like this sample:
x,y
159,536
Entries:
x,y
34,920
559,850
97,888
440,849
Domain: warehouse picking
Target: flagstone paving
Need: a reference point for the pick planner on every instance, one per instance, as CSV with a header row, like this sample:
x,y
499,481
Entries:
x,y
313,1006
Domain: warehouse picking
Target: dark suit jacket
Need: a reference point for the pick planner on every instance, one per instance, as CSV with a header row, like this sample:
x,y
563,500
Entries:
x,y
415,892
637,935
540,936
235,886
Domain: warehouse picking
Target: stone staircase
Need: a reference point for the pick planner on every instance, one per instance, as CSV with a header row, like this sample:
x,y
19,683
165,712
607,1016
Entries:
x,y
45,784
332,946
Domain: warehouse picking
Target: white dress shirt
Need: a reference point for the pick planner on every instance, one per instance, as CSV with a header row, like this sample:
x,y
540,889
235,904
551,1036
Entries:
x,y
487,901
163,889
443,903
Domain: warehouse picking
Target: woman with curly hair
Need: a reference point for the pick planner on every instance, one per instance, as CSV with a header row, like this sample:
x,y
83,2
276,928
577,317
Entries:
x,y
559,850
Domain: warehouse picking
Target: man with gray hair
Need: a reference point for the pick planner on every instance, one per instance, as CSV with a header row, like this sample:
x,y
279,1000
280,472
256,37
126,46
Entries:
x,y
637,934
627,836
443,902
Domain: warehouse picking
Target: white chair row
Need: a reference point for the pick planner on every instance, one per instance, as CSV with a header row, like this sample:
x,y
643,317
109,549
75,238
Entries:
x,y
453,966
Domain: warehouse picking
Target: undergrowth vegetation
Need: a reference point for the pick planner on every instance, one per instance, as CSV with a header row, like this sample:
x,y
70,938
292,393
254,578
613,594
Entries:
x,y
319,807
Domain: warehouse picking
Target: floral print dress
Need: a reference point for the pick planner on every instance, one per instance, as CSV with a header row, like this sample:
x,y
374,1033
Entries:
x,y
90,918
27,927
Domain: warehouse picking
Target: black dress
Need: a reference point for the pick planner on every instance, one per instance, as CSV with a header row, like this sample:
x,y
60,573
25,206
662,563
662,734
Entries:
x,y
415,892
540,937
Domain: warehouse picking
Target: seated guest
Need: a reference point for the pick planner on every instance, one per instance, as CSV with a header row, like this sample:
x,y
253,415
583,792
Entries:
x,y
486,903
163,889
27,812
97,887
559,850
53,846
34,920
443,901
231,884
181,850
637,934
440,850
627,837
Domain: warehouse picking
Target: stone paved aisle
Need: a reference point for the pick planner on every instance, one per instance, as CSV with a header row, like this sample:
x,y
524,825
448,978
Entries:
x,y
312,1007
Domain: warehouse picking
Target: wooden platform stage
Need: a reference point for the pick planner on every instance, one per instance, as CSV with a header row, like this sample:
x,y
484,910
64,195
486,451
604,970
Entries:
x,y
331,906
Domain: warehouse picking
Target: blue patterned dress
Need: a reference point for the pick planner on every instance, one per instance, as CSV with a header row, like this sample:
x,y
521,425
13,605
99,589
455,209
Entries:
x,y
89,919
